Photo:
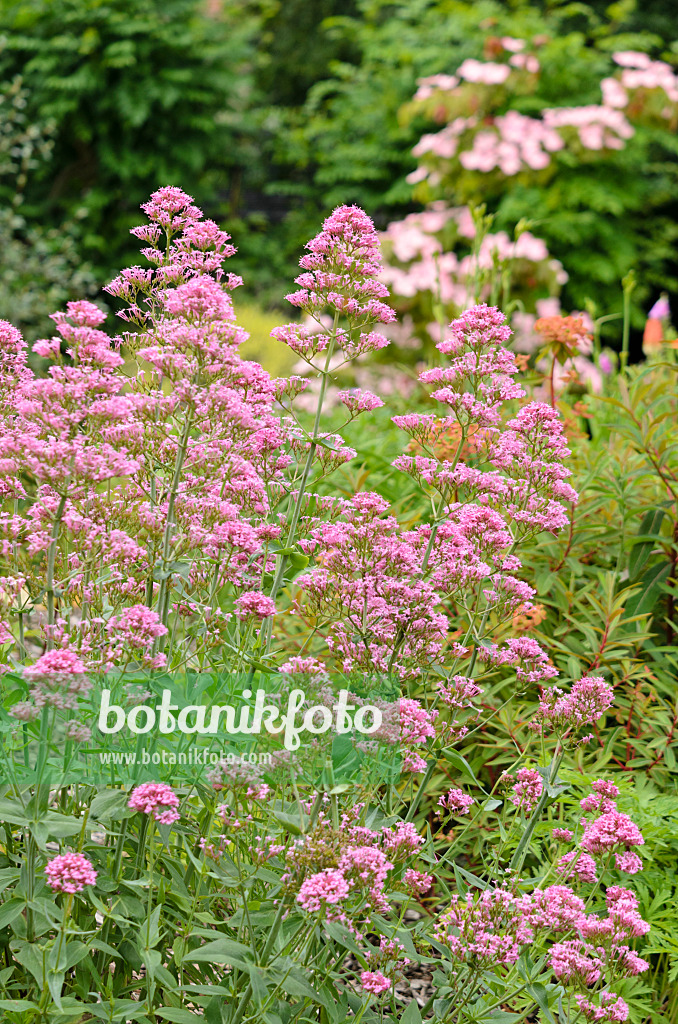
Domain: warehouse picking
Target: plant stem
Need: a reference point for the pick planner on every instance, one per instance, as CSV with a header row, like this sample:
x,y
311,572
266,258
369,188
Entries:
x,y
628,284
163,594
273,935
518,858
51,559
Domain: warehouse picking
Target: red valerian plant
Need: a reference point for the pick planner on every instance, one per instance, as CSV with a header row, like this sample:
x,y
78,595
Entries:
x,y
167,525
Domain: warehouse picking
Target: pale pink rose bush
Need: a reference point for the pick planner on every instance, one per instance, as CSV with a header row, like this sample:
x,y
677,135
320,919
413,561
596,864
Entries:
x,y
168,520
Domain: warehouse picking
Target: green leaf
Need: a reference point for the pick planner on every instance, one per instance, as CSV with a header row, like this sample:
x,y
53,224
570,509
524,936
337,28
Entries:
x,y
222,951
260,983
176,1015
642,547
342,935
540,996
468,876
12,812
10,910
554,788
411,1014
29,956
55,983
105,948
651,583
213,1011
74,953
8,876
291,821
123,1010
110,804
60,825
461,764
292,980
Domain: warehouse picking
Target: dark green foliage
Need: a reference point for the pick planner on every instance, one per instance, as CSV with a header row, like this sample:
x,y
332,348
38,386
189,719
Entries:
x,y
140,94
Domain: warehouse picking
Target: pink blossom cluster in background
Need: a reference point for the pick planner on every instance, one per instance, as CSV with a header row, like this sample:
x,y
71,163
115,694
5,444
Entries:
x,y
515,142
490,138
419,262
641,72
597,127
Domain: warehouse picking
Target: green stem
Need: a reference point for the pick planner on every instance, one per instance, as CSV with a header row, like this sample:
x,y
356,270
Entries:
x,y
163,594
628,284
62,931
273,935
518,858
51,559
150,985
296,512
414,806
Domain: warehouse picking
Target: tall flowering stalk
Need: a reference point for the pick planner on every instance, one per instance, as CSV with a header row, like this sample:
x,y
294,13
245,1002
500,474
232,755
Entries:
x,y
341,268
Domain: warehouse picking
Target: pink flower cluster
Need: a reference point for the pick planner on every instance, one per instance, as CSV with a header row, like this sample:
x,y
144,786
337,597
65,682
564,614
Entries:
x,y
361,868
531,448
254,604
515,142
374,982
456,801
492,928
340,275
369,585
531,661
240,777
641,72
598,127
70,873
326,888
344,874
190,450
155,798
589,698
419,262
610,831
527,790
138,626
492,138
487,930
57,680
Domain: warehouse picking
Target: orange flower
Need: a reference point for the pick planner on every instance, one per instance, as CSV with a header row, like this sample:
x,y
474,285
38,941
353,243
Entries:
x,y
653,335
566,333
525,619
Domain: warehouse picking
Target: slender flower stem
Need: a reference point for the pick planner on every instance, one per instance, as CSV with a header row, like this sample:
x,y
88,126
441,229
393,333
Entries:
x,y
51,560
163,594
518,858
296,512
273,935
628,284
267,629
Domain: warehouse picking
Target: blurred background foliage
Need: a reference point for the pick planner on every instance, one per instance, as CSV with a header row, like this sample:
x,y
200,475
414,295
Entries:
x,y
271,113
